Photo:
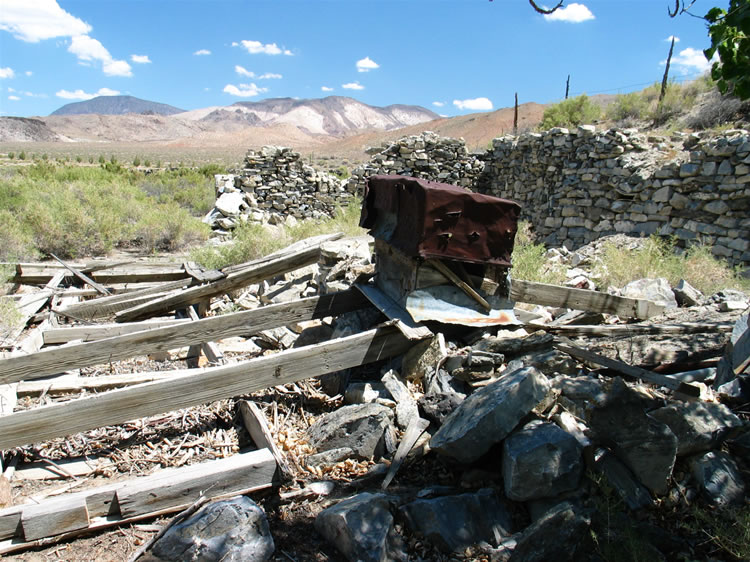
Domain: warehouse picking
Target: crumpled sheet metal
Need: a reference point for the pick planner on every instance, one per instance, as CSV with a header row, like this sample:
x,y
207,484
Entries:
x,y
435,220
450,305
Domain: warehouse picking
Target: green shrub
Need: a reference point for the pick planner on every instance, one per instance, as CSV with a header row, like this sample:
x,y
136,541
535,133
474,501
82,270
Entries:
x,y
628,106
79,159
529,259
102,160
136,161
11,155
113,159
570,113
91,159
22,155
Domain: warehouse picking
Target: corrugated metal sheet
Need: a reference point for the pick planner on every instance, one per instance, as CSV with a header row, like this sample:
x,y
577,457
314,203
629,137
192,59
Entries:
x,y
450,305
434,220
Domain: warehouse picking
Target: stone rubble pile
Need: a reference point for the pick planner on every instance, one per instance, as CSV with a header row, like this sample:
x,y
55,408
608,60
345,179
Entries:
x,y
275,184
427,156
579,185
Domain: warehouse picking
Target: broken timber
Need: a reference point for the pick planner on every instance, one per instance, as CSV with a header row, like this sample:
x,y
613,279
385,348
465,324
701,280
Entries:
x,y
389,307
582,299
654,378
55,360
166,491
212,384
82,276
636,329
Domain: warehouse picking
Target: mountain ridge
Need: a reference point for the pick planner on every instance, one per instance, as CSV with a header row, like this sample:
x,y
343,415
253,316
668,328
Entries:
x,y
117,105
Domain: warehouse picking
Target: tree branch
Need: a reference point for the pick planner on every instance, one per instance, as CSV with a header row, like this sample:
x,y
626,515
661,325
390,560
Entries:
x,y
543,10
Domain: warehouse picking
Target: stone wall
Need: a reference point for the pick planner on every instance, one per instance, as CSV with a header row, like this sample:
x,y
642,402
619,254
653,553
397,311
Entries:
x,y
576,186
275,183
427,156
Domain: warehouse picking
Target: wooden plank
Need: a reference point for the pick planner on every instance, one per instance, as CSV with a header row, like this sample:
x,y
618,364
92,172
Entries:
x,y
582,299
106,306
625,330
202,275
93,332
389,307
181,486
82,276
10,522
54,517
117,406
55,360
257,426
624,368
209,348
252,274
72,385
28,306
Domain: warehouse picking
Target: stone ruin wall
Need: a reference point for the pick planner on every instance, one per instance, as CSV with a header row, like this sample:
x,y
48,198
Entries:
x,y
574,186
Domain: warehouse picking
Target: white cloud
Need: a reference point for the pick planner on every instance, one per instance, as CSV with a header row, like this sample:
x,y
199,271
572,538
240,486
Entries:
x,y
326,89
669,39
7,72
38,20
366,65
28,73
81,95
257,48
438,103
14,98
244,90
572,13
202,52
690,60
89,49
33,95
353,86
270,76
476,104
140,59
243,71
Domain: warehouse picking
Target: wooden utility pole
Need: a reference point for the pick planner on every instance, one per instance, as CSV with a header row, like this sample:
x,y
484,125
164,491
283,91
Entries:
x,y
567,87
515,116
666,73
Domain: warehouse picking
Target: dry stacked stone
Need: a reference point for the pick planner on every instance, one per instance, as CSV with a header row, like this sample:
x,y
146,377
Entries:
x,y
274,184
428,156
576,186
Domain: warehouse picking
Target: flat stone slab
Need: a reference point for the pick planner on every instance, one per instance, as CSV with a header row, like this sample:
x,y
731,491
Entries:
x,y
359,427
699,426
488,415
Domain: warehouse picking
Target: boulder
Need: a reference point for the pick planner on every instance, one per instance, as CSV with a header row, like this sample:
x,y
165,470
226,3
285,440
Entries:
x,y
654,290
719,478
361,528
686,294
231,204
360,427
559,535
540,460
634,494
234,529
488,415
699,426
453,523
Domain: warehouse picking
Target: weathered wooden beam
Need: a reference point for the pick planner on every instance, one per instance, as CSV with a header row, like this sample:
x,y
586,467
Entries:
x,y
56,360
212,384
582,299
257,426
54,517
106,306
209,348
28,306
39,277
72,385
415,429
82,276
458,282
252,274
621,367
93,332
389,307
613,330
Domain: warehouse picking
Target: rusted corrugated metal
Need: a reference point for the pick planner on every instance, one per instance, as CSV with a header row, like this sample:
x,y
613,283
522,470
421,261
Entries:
x,y
434,220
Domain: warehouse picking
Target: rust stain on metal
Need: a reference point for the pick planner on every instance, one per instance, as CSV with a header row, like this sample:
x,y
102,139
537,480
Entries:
x,y
434,220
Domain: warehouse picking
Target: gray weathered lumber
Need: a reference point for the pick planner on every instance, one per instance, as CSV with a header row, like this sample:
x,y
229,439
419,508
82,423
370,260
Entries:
x,y
636,329
82,276
93,332
624,368
251,274
212,384
72,385
209,348
389,307
581,299
56,360
185,485
105,306
28,305
202,275
54,517
415,429
460,283
257,426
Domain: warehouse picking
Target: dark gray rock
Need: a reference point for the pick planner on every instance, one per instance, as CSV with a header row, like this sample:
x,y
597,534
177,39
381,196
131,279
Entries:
x,y
511,347
699,426
455,522
488,415
559,535
633,493
406,405
736,391
740,445
646,446
551,363
234,529
360,427
586,390
442,396
540,461
361,528
719,478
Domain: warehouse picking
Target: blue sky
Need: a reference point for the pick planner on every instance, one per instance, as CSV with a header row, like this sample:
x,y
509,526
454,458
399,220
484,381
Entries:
x,y
452,56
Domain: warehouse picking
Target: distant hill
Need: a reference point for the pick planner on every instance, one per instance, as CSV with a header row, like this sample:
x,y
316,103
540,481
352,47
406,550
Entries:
x,y
332,115
117,105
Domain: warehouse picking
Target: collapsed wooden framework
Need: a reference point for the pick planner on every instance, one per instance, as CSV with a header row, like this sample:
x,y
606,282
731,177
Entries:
x,y
48,350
